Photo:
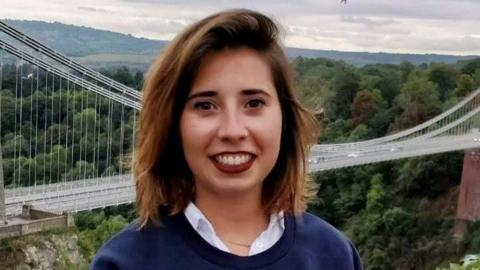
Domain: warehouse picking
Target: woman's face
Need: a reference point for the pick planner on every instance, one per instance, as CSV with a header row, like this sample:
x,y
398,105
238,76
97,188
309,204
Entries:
x,y
231,123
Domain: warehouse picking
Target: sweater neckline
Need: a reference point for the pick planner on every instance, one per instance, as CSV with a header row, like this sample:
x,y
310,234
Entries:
x,y
225,259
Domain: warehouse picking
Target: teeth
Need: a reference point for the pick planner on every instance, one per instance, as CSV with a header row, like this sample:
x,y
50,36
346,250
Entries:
x,y
233,159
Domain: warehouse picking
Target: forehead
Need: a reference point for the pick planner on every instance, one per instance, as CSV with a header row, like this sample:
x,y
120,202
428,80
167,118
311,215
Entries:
x,y
233,69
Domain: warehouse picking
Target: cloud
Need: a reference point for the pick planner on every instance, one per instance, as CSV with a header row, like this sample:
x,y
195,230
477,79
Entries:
x,y
368,22
427,26
93,9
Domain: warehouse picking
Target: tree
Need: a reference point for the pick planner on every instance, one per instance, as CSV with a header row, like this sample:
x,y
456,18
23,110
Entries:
x,y
470,66
422,177
406,68
345,85
418,101
8,115
337,131
364,107
88,220
386,78
15,146
58,162
476,78
82,170
123,75
91,240
464,85
138,80
359,133
376,197
445,77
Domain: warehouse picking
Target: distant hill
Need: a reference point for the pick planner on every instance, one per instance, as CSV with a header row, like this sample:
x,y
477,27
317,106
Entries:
x,y
79,41
365,58
103,48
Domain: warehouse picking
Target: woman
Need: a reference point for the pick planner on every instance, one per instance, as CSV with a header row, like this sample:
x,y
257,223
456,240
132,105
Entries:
x,y
221,160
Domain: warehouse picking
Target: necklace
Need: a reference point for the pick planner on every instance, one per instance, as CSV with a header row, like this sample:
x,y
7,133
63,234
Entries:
x,y
236,243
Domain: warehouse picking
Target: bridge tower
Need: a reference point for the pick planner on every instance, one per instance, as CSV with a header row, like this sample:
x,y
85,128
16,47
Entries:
x,y
468,206
3,216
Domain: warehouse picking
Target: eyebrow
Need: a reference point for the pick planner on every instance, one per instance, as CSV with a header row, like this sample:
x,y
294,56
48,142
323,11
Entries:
x,y
247,92
255,91
207,93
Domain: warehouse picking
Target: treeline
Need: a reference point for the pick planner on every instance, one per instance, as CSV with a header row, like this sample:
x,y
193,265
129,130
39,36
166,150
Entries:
x,y
399,214
52,130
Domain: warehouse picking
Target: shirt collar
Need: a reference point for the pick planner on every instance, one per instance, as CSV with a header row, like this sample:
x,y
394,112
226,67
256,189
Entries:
x,y
194,215
196,218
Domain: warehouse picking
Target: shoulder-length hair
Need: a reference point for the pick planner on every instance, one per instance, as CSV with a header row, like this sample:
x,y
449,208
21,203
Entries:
x,y
164,182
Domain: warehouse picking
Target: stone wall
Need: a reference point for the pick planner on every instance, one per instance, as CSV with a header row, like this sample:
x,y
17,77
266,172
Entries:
x,y
29,213
7,231
33,221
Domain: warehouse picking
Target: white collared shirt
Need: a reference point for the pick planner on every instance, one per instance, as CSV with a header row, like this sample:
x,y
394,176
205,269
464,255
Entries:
x,y
263,242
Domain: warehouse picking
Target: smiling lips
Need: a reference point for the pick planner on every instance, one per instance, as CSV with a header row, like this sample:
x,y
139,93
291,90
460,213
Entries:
x,y
233,163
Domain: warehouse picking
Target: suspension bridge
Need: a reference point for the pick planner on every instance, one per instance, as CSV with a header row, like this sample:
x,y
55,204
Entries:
x,y
69,130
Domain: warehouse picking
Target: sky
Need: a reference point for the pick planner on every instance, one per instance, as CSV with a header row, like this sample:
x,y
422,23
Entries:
x,y
398,26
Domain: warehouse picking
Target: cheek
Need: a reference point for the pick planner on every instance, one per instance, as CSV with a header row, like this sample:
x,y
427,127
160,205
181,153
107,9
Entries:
x,y
195,134
269,131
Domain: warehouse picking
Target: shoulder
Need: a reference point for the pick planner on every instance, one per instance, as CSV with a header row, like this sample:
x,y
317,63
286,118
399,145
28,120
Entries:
x,y
313,233
131,246
309,224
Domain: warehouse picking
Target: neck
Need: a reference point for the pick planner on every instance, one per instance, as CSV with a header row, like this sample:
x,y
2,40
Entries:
x,y
237,218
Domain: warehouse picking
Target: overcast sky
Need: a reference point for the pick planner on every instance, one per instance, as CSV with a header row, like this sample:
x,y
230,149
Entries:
x,y
405,26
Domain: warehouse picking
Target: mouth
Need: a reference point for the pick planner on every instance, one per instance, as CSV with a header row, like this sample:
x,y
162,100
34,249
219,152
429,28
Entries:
x,y
233,162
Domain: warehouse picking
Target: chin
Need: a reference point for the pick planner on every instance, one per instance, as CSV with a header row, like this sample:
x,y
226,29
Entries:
x,y
236,187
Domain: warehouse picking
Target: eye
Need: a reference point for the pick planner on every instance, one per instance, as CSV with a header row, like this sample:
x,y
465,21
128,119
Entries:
x,y
203,106
255,103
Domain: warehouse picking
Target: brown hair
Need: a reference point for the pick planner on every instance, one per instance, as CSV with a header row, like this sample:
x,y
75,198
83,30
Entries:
x,y
163,179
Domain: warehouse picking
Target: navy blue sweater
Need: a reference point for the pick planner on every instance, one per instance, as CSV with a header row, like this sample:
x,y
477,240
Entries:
x,y
307,243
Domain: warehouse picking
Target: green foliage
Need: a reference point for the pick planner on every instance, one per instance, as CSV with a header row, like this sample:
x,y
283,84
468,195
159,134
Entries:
x,y
82,170
476,78
88,220
399,214
465,85
417,102
445,77
91,240
360,133
387,79
406,69
345,85
349,202
376,196
64,132
423,177
469,67
472,238
337,131
363,107
398,220
370,109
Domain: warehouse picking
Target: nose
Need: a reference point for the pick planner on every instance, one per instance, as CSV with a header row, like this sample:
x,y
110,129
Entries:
x,y
232,127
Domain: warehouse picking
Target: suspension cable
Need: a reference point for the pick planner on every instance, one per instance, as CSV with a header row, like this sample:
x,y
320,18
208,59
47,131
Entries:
x,y
36,127
39,47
